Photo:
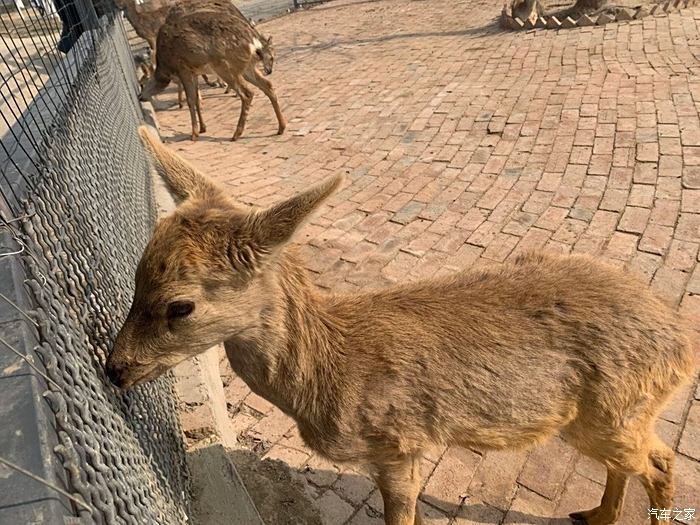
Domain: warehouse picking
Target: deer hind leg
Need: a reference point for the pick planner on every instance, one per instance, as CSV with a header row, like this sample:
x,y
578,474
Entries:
x,y
399,484
656,474
180,92
633,451
202,125
189,83
246,95
253,76
610,506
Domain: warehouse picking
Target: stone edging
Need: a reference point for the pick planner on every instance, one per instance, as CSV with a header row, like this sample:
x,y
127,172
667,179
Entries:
x,y
624,14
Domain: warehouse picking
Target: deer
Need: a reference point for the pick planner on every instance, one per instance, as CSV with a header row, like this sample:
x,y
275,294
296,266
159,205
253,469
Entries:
x,y
213,36
144,63
147,22
490,358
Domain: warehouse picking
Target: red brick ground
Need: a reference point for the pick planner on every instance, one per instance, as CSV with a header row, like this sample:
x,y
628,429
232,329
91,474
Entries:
x,y
464,145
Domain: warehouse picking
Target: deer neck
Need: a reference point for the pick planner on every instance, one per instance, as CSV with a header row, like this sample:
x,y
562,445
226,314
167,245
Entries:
x,y
294,358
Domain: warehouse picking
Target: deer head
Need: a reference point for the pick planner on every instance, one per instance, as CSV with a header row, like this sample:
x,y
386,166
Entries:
x,y
207,274
155,84
145,64
265,53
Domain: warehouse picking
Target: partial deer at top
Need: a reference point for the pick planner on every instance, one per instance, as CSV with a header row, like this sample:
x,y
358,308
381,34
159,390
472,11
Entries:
x,y
213,35
148,17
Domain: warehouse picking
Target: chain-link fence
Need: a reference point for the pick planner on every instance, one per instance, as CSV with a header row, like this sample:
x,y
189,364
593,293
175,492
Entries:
x,y
76,210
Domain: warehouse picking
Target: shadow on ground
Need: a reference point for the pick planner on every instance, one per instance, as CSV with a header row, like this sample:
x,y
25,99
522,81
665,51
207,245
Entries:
x,y
281,494
222,494
490,28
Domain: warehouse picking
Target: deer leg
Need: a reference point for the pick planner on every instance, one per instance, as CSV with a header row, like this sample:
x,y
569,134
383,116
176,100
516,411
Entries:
x,y
189,84
611,504
632,450
399,484
230,88
202,125
657,475
179,94
253,76
245,94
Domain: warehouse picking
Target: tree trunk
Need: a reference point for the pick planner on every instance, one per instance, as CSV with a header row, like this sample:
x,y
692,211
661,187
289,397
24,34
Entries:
x,y
590,5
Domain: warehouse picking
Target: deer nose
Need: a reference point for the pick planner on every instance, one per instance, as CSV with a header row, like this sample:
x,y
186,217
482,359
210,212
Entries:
x,y
116,373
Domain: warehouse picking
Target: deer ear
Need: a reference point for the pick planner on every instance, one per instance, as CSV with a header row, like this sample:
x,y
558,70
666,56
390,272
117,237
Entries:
x,y
274,226
184,180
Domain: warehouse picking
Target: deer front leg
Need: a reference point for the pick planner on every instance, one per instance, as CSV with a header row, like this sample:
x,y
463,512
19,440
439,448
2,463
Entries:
x,y
253,76
399,483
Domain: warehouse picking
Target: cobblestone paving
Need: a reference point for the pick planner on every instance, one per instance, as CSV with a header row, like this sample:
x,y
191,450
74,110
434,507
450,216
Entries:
x,y
463,145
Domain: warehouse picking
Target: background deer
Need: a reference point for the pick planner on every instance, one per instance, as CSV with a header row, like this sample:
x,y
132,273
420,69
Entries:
x,y
216,36
147,18
491,359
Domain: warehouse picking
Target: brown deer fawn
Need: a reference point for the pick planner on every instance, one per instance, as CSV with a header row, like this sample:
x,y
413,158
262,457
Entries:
x,y
492,359
213,36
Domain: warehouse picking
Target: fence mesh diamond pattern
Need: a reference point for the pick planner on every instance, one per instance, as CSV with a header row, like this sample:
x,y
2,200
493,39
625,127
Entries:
x,y
77,203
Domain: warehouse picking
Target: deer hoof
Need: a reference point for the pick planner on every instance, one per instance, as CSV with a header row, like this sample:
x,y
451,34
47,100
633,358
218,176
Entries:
x,y
202,128
579,518
195,136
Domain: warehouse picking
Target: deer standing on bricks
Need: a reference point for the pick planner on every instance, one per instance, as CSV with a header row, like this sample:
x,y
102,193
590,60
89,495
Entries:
x,y
213,36
148,18
492,359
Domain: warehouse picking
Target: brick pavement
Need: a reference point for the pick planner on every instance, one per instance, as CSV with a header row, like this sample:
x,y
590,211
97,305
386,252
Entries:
x,y
464,145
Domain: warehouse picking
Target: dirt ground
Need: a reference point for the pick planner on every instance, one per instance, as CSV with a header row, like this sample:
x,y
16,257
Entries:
x,y
278,492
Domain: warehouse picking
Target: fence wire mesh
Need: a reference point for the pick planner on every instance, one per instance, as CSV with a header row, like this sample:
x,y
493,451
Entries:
x,y
76,210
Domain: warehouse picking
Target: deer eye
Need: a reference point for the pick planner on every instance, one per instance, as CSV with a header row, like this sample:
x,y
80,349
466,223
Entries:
x,y
179,309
